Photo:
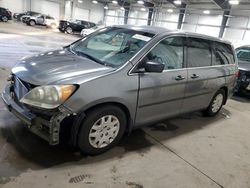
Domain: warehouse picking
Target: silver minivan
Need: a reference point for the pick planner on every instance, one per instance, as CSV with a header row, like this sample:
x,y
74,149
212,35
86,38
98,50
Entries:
x,y
117,79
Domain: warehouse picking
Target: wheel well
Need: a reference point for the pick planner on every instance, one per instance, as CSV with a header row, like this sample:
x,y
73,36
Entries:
x,y
77,121
122,106
226,93
32,20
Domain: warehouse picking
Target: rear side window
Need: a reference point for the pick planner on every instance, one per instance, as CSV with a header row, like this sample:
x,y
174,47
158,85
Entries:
x,y
222,54
199,53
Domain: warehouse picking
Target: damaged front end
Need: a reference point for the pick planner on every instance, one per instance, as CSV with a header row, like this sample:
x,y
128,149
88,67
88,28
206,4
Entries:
x,y
42,122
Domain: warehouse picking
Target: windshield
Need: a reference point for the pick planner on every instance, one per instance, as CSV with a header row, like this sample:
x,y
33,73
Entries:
x,y
243,54
112,46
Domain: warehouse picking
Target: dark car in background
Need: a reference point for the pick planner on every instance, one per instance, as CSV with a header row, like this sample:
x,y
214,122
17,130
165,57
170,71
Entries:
x,y
243,83
74,26
5,14
18,16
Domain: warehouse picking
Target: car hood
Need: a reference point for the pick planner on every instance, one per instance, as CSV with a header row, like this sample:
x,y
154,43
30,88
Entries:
x,y
244,65
56,67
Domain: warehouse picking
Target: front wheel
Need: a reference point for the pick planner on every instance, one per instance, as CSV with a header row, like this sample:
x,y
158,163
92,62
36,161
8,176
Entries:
x,y
5,18
32,23
216,103
102,129
69,30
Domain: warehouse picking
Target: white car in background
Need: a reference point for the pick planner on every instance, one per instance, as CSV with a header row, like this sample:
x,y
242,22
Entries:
x,y
41,19
88,31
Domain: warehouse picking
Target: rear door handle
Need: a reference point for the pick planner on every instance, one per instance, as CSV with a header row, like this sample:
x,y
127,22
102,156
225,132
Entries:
x,y
195,76
179,77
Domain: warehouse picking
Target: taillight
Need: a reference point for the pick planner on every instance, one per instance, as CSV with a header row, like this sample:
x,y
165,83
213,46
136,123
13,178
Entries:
x,y
237,74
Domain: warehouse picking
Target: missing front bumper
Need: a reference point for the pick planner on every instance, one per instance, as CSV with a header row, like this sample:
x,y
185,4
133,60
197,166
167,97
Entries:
x,y
48,129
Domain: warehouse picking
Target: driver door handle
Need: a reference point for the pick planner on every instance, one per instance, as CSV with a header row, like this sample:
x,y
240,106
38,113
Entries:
x,y
179,77
195,76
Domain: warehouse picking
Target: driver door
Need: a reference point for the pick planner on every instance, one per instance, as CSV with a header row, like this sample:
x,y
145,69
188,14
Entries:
x,y
40,20
161,94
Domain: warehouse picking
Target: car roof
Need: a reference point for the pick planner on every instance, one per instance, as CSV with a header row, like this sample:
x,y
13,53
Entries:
x,y
245,46
148,29
160,30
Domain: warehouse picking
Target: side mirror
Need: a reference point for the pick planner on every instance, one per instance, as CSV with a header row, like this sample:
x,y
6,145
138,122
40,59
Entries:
x,y
151,66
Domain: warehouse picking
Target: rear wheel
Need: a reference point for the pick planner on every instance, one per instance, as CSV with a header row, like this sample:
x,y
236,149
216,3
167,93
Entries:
x,y
216,103
102,129
5,18
53,25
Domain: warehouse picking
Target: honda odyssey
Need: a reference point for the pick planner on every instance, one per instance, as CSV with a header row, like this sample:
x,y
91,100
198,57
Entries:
x,y
117,79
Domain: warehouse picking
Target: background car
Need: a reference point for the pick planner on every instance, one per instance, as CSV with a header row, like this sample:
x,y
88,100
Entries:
x,y
74,26
18,16
42,19
5,14
243,83
88,31
25,18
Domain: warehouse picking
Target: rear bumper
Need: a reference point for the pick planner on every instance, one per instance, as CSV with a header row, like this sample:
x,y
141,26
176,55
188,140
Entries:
x,y
48,129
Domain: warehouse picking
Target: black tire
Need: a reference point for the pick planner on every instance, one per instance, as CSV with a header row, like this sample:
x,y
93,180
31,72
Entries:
x,y
91,118
68,30
5,19
209,111
32,22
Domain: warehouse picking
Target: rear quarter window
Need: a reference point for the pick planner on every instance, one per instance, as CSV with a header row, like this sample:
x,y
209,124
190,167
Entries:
x,y
222,54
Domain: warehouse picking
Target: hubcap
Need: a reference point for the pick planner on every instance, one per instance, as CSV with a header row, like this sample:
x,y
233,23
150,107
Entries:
x,y
32,23
69,30
104,131
217,103
5,19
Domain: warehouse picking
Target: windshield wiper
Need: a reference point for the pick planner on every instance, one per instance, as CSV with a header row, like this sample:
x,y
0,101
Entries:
x,y
88,56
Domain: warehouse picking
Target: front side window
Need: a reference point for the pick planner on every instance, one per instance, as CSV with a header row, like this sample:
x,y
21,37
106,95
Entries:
x,y
199,53
40,17
92,25
169,52
243,54
78,22
112,46
86,24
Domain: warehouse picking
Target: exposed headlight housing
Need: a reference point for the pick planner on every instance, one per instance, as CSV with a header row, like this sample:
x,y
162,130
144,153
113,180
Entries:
x,y
48,97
